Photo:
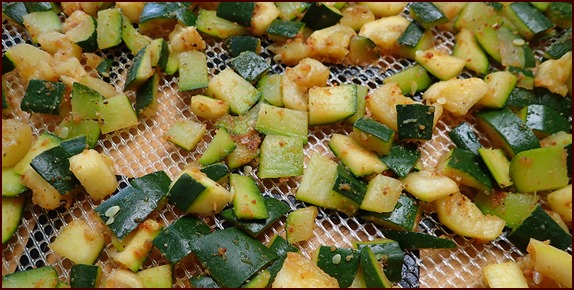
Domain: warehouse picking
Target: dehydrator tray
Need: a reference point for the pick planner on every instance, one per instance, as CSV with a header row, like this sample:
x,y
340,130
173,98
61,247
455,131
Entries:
x,y
141,149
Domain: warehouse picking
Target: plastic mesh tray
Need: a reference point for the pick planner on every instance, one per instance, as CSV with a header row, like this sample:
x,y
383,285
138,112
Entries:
x,y
140,150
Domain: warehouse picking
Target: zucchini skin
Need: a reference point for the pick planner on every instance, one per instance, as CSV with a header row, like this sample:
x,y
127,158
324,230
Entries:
x,y
340,263
540,226
275,209
463,137
175,240
43,97
405,216
53,165
239,12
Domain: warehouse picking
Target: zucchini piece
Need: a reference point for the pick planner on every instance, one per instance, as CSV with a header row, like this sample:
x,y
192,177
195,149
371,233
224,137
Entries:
x,y
192,191
15,11
54,166
373,135
427,14
193,70
261,280
300,272
40,277
347,185
85,33
502,83
281,156
362,92
208,108
167,14
497,164
116,113
248,202
560,14
140,71
221,145
466,47
283,30
521,97
209,23
401,159
356,15
543,120
317,183
539,226
216,171
412,35
43,97
561,139
85,276
11,184
281,247
44,142
507,131
157,277
511,207
263,15
146,97
125,210
556,50
552,262
17,140
320,15
324,49
131,36
372,271
231,256
411,80
79,242
249,65
237,44
428,186
69,129
382,194
525,77
85,101
513,49
528,20
458,213
359,160
331,104
282,121
174,241
291,10
276,209
416,240
233,89
504,275
300,224
38,23
560,201
405,216
388,253
465,167
239,12
539,169
242,155
109,28
185,133
74,145
240,125
464,137
159,50
362,51
270,87
339,263
32,62
442,66
12,210
137,245
89,164
415,122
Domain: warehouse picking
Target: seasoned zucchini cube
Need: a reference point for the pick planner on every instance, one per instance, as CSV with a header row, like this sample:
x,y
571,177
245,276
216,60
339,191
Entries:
x,y
464,137
359,160
185,133
382,194
543,120
240,43
80,242
175,240
373,135
44,276
282,30
233,89
415,122
539,169
427,14
282,121
116,113
513,208
404,217
248,202
281,156
239,12
465,167
249,65
54,166
209,23
95,173
331,104
137,245
221,145
300,224
43,97
276,209
193,70
85,101
69,129
298,271
401,159
320,15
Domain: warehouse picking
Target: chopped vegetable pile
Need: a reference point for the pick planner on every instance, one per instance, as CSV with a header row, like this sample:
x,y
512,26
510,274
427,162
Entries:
x,y
298,144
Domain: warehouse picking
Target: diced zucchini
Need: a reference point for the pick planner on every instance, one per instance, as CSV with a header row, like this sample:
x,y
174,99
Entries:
x,y
157,14
501,83
12,211
339,263
247,199
54,166
270,87
85,276
551,261
372,270
412,35
464,137
240,43
539,169
84,33
497,164
37,23
44,142
17,140
359,160
234,90
349,186
356,15
330,44
427,14
385,32
300,224
15,11
140,71
122,278
221,145
116,113
276,209
32,62
504,275
560,201
373,135
291,10
320,15
464,167
70,129
84,101
401,159
249,65
261,280
206,196
283,30
131,36
208,108
511,207
239,12
263,15
560,139
560,14
157,277
560,47
298,271
415,121
137,245
40,277
331,104
405,217
458,213
362,51
99,85
80,242
185,133
543,120
242,155
382,104
146,97
513,49
362,92
11,184
466,47
411,80
388,253
428,186
175,240
442,66
95,173
540,226
382,194
281,156
507,131
43,97
109,28
555,75
224,254
193,70
528,20
209,23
